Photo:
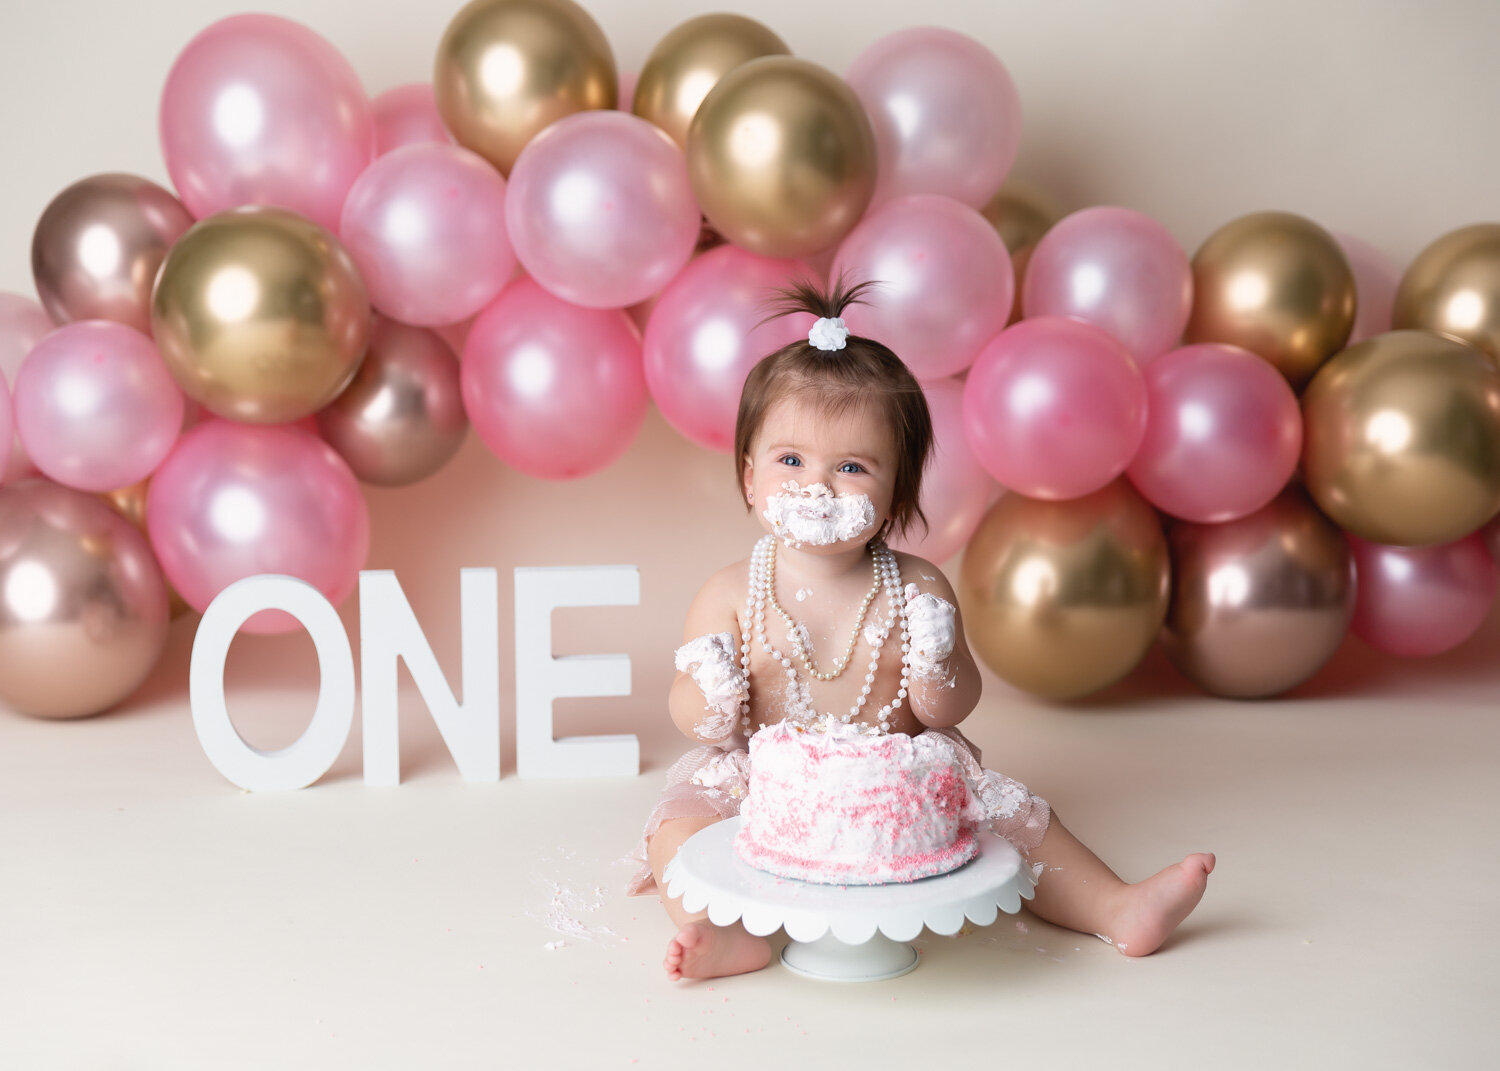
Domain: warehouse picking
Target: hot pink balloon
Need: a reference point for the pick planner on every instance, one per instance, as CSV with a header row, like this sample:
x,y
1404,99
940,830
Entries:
x,y
705,334
946,114
956,489
233,500
554,390
425,225
1116,269
945,282
23,323
1223,433
259,109
1375,282
1420,601
96,407
408,115
1055,408
600,209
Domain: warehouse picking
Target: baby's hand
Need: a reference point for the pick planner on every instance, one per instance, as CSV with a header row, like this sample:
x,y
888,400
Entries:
x,y
930,621
710,661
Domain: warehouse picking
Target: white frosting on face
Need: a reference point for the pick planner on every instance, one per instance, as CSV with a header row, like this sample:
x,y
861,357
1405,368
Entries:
x,y
816,516
710,661
930,620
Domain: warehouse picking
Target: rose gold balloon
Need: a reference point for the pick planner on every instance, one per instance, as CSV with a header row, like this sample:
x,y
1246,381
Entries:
x,y
96,249
130,503
1064,598
1022,213
1277,285
83,606
1401,439
1453,288
402,417
507,69
1259,604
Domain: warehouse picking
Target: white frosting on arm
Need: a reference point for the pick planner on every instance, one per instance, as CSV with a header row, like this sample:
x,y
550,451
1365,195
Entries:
x,y
710,661
930,620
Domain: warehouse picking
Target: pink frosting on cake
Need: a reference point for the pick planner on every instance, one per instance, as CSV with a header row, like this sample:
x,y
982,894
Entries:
x,y
845,807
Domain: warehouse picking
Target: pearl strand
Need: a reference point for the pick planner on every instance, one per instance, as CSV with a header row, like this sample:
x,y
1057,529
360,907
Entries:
x,y
794,633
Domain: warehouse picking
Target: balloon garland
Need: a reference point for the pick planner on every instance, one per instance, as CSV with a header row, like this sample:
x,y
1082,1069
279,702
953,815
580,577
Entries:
x,y
1244,454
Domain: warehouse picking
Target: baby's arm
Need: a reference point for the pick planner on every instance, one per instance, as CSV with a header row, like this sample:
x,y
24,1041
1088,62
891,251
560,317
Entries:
x,y
710,684
944,683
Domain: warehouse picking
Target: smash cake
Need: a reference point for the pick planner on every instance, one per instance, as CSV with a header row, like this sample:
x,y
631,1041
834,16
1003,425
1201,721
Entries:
x,y
845,804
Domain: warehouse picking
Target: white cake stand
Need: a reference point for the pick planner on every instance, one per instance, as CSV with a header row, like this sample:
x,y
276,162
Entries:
x,y
844,933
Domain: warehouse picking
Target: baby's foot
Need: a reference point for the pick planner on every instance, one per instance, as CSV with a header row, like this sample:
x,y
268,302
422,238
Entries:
x,y
703,950
1153,908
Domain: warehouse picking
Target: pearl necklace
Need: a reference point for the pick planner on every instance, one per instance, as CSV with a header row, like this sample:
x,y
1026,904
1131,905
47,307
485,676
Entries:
x,y
799,694
795,633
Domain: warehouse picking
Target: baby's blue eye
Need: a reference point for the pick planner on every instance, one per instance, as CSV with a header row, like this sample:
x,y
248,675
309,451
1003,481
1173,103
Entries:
x,y
850,466
790,459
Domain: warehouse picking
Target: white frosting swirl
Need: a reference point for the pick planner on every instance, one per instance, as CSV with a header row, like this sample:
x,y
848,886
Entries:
x,y
930,620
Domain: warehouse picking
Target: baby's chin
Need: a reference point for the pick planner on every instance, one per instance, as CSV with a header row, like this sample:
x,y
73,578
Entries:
x,y
842,546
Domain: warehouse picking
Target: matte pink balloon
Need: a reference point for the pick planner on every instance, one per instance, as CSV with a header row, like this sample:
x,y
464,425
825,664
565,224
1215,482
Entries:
x,y
259,109
554,390
1375,282
1116,269
233,500
96,407
946,114
702,338
1419,601
600,209
408,115
425,225
1223,433
23,323
1055,408
946,283
956,489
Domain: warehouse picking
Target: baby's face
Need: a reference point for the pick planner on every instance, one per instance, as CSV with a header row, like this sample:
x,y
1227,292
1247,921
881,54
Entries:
x,y
819,481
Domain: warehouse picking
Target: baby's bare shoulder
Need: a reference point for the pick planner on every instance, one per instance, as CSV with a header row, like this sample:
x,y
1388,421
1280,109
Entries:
x,y
921,572
714,606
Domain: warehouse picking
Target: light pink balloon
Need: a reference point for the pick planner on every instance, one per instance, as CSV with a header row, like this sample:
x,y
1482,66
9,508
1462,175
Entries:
x,y
408,115
96,407
1375,282
554,390
425,225
6,427
1116,269
956,489
1223,433
946,283
233,500
1055,408
259,109
702,338
946,114
23,323
600,209
1420,601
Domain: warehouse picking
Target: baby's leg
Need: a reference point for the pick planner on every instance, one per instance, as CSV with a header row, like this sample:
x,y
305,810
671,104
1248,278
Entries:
x,y
700,949
1078,891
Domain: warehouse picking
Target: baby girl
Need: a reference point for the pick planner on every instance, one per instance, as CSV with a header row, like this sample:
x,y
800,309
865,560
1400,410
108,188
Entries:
x,y
830,440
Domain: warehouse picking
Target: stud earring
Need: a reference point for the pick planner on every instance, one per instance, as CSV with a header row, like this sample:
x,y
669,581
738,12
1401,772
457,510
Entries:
x,y
750,497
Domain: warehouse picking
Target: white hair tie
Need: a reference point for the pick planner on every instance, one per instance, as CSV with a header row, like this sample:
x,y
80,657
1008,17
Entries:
x,y
828,333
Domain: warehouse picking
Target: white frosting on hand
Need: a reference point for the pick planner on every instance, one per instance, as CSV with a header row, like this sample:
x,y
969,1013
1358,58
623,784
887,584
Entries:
x,y
710,661
930,620
815,515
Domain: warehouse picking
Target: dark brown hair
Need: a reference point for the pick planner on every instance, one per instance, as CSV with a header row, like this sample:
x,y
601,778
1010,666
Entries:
x,y
863,373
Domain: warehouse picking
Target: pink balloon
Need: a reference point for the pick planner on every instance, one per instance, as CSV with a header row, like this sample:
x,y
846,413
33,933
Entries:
x,y
425,225
1375,282
702,338
456,334
259,109
600,209
5,411
946,283
554,390
1055,408
1116,269
1491,536
1419,601
233,500
408,115
946,114
1223,433
96,407
23,323
956,489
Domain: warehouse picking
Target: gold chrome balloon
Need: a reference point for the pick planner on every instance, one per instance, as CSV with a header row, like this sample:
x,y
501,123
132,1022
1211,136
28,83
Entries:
x,y
1401,439
1275,284
690,60
130,503
1453,288
1259,604
1021,213
260,315
1063,598
507,69
97,246
83,606
782,157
